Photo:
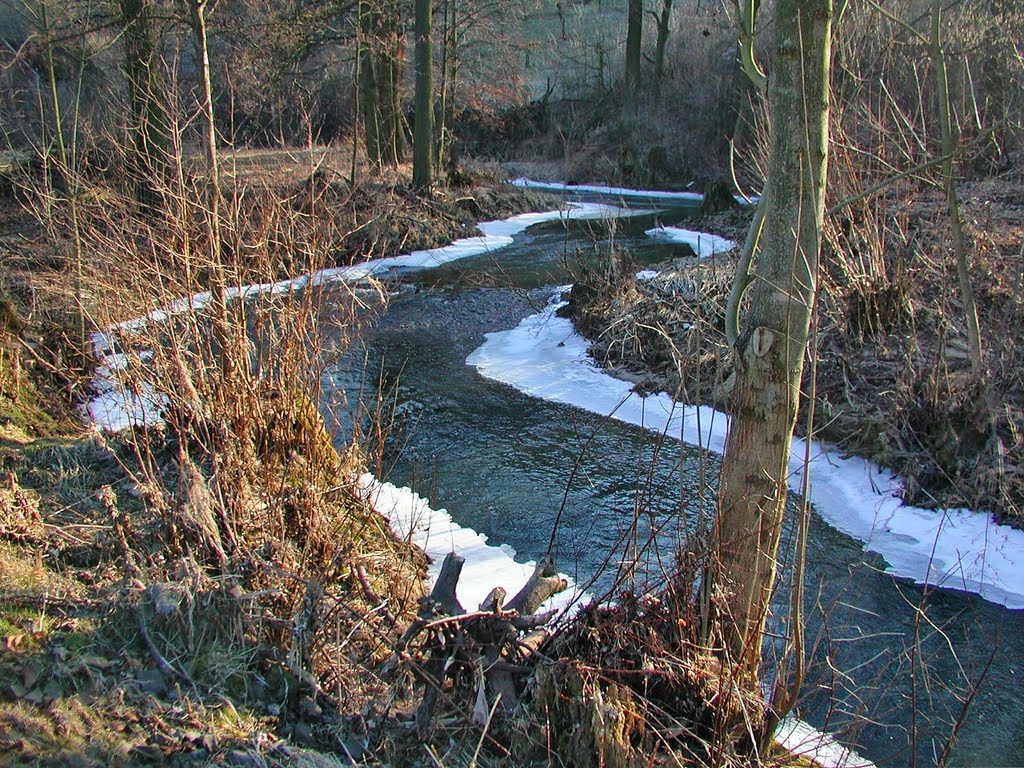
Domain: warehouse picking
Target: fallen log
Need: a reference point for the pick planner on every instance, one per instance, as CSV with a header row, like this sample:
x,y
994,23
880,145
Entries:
x,y
545,582
482,651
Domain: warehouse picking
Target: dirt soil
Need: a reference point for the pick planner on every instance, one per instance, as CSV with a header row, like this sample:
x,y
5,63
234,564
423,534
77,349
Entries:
x,y
892,379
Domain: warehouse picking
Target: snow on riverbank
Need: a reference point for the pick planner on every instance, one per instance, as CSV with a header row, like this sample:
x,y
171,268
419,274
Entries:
x,y
115,407
601,189
410,515
702,243
956,549
433,530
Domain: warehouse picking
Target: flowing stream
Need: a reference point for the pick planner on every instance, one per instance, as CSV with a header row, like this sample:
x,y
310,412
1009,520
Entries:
x,y
533,475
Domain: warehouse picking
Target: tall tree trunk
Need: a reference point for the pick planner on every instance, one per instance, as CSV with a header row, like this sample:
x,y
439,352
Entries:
x,y
393,87
634,32
369,20
150,139
66,180
423,133
218,279
661,44
948,140
449,49
380,70
770,352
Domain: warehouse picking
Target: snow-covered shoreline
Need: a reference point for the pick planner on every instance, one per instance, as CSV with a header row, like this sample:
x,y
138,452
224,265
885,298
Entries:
x,y
702,243
955,549
622,192
115,408
433,530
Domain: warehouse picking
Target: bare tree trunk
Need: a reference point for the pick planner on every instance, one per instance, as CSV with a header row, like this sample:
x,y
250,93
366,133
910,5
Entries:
x,y
449,54
218,281
369,19
634,33
770,352
67,177
150,142
393,113
661,44
380,81
423,133
974,346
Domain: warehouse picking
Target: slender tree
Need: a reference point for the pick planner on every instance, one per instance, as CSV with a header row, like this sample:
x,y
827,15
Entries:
x,y
770,351
218,277
423,132
661,44
634,32
149,130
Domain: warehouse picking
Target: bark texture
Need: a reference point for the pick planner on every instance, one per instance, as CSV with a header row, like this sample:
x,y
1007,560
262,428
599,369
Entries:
x,y
149,130
423,131
634,32
661,45
770,352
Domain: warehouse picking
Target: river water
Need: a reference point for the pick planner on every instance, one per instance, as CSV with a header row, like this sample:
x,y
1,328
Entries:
x,y
892,661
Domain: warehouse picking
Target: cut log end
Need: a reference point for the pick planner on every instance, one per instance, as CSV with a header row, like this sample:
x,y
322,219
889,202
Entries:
x,y
544,583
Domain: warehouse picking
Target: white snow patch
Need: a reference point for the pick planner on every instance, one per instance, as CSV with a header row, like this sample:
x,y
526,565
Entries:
x,y
647,274
601,189
433,530
805,740
956,549
703,243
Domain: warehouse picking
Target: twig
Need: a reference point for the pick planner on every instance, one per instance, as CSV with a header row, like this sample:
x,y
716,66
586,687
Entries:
x,y
162,663
371,594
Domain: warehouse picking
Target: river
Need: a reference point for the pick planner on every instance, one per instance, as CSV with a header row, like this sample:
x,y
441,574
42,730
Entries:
x,y
891,658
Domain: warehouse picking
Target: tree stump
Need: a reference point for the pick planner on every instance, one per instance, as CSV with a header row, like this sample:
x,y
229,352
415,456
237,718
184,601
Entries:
x,y
485,650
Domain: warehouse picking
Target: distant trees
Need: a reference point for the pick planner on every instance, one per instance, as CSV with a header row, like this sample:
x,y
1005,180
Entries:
x,y
380,76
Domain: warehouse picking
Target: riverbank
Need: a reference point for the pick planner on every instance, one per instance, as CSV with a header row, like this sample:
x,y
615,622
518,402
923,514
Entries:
x,y
209,587
891,380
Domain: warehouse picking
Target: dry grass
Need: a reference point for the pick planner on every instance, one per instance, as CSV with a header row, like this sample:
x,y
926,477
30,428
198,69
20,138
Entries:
x,y
222,561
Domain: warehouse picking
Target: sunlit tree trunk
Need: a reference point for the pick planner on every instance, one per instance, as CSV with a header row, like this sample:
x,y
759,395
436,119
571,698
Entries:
x,y
423,132
770,351
218,277
149,130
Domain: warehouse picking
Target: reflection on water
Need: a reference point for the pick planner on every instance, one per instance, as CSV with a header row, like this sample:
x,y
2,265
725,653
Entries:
x,y
512,467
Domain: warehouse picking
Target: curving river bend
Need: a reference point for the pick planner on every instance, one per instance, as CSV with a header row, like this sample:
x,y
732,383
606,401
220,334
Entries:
x,y
887,675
